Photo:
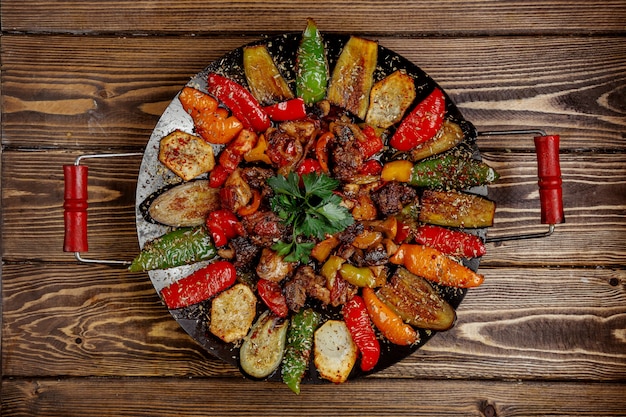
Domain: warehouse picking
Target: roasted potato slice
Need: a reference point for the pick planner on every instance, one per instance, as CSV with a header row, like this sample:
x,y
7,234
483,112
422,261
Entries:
x,y
390,98
232,313
186,155
335,352
187,204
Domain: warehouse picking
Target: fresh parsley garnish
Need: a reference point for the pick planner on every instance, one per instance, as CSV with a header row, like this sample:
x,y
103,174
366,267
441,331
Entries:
x,y
312,211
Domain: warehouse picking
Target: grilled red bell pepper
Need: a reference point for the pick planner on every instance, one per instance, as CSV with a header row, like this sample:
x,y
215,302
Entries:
x,y
373,143
273,297
451,242
308,166
200,285
231,156
293,109
358,321
224,225
321,149
371,167
422,123
240,101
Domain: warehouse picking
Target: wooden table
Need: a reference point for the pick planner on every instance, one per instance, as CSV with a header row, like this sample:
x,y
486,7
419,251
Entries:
x,y
545,334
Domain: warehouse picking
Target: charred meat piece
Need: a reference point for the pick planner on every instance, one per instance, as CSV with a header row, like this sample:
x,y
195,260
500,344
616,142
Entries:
x,y
305,283
264,228
257,178
273,267
246,253
345,154
391,197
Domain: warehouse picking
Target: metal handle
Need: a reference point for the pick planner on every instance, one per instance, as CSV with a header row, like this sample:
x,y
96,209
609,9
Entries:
x,y
75,208
550,181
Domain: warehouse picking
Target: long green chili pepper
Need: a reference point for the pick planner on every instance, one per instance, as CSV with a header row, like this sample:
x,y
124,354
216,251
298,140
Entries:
x,y
299,345
311,65
179,247
453,172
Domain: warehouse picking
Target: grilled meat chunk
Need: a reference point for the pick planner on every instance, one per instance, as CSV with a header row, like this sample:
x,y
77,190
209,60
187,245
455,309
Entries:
x,y
392,197
264,228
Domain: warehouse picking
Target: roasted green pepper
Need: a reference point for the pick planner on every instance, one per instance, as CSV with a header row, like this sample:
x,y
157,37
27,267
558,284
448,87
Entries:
x,y
311,65
299,345
179,247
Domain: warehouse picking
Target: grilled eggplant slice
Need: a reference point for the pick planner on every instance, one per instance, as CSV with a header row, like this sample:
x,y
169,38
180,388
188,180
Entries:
x,y
262,349
456,209
416,301
187,204
390,98
265,81
353,76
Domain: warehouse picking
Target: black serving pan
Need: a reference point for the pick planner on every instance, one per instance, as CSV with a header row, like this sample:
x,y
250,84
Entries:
x,y
154,177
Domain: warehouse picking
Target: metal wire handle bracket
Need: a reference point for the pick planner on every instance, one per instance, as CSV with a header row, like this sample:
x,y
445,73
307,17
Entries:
x,y
75,207
550,181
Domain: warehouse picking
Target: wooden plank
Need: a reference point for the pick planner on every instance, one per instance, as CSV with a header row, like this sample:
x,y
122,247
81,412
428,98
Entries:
x,y
408,18
231,397
594,201
521,324
75,91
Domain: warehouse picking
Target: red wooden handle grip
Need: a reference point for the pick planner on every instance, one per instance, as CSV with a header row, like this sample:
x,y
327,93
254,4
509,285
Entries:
x,y
549,172
75,205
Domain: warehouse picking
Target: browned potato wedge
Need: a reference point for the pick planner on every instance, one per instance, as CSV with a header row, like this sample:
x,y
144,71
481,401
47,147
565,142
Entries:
x,y
232,313
187,204
264,79
335,352
389,99
416,301
262,349
353,76
186,155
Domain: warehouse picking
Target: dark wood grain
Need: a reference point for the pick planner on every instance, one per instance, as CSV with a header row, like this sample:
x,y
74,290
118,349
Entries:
x,y
594,200
113,89
407,18
87,320
233,397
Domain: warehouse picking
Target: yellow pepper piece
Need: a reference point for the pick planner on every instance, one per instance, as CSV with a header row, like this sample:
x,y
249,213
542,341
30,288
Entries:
x,y
257,154
361,277
397,171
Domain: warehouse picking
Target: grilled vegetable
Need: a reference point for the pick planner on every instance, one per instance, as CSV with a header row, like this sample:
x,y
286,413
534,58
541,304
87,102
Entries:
x,y
390,98
335,352
353,76
223,226
449,172
262,349
448,137
388,322
372,144
416,301
240,101
450,242
298,349
421,124
435,266
271,294
200,285
185,205
456,209
186,155
358,276
232,313
311,65
214,124
293,109
360,327
180,247
264,80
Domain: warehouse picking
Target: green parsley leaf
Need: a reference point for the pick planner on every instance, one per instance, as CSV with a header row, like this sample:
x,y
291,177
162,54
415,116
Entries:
x,y
312,212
